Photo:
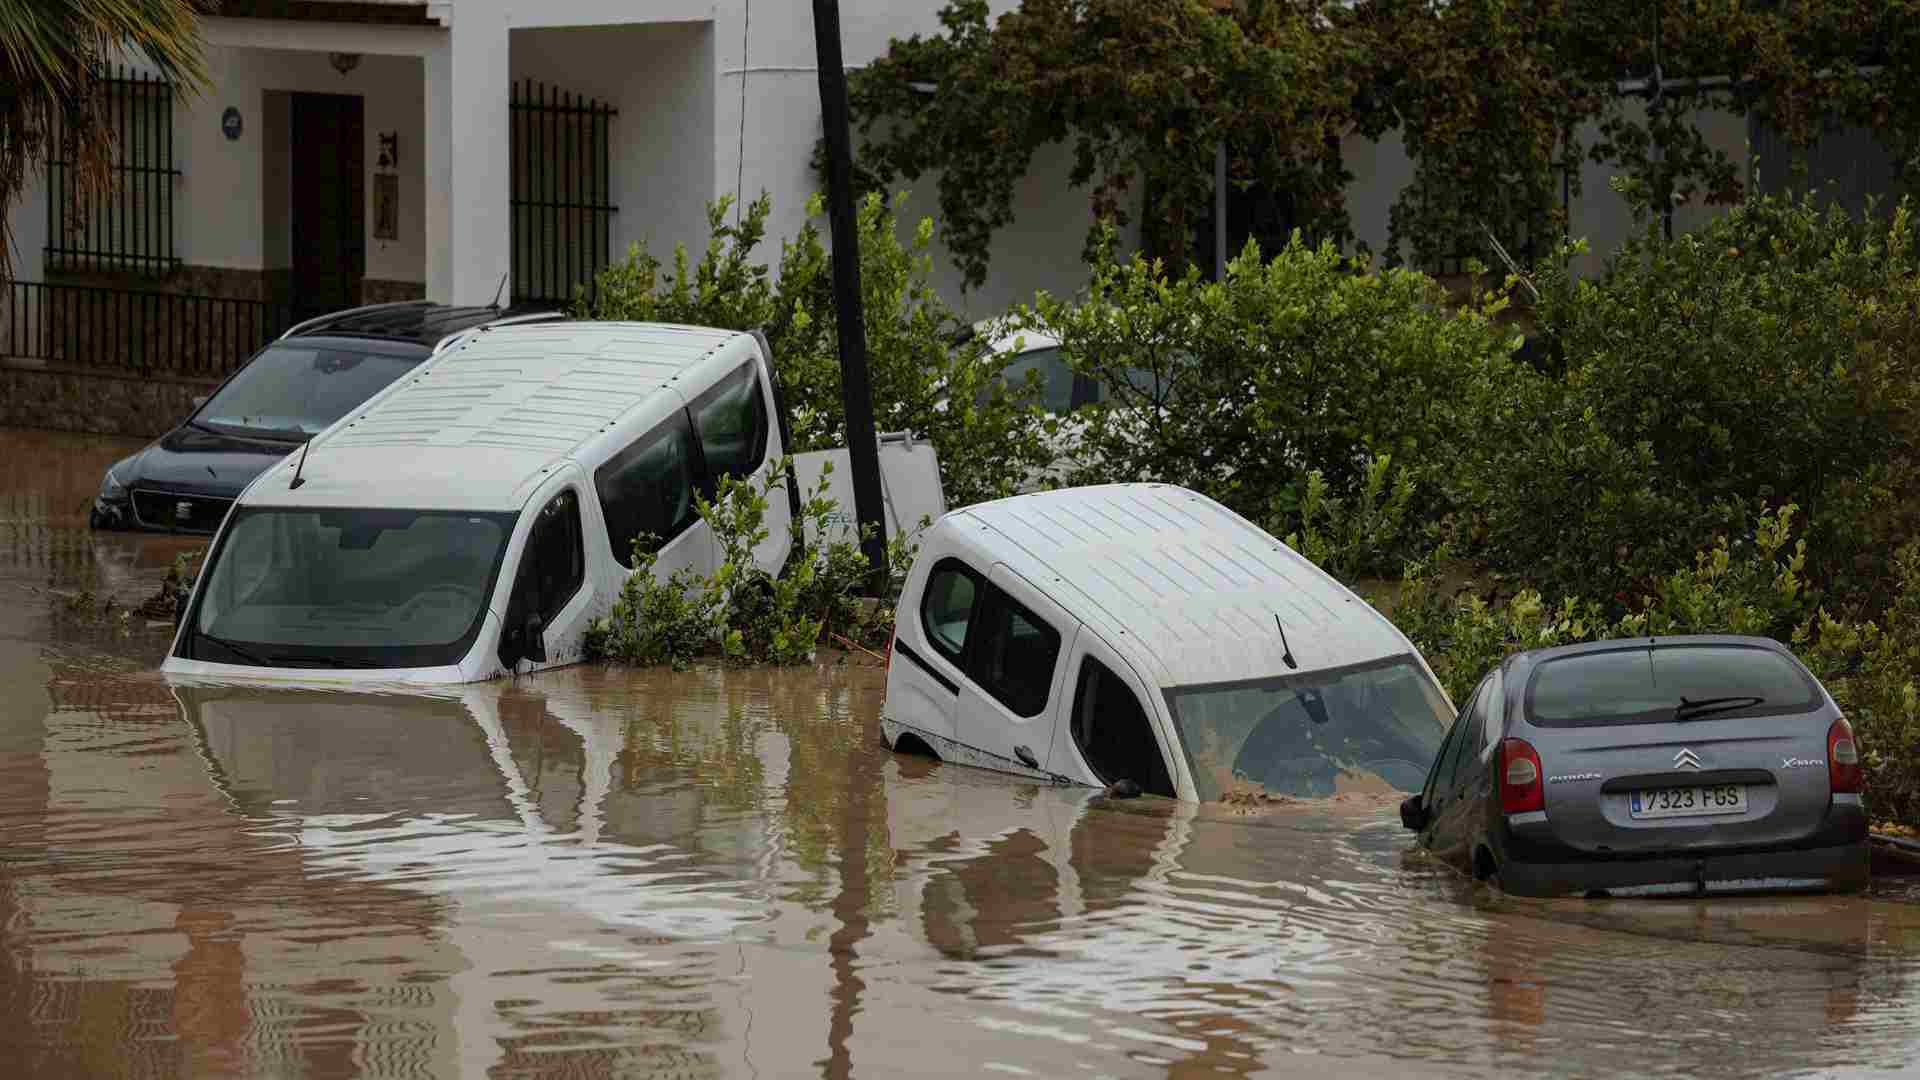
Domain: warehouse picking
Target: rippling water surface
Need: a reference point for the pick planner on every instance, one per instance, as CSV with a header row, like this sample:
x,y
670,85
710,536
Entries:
x,y
714,873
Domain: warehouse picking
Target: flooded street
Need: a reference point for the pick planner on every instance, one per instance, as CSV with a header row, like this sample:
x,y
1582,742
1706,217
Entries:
x,y
722,873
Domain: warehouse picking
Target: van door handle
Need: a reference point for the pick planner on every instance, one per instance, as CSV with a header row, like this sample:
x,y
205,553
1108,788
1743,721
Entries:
x,y
1026,757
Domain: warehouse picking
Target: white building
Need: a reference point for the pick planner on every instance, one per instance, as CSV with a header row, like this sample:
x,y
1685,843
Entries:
x,y
350,152
385,149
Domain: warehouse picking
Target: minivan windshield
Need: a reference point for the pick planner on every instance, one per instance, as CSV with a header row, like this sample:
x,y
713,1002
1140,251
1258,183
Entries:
x,y
293,390
1658,684
347,588
1312,734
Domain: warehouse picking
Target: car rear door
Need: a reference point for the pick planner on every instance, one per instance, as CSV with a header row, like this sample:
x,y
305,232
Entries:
x,y
1736,779
1453,833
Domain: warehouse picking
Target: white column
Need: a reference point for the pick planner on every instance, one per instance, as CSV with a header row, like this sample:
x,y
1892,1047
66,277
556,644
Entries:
x,y
437,161
467,146
482,134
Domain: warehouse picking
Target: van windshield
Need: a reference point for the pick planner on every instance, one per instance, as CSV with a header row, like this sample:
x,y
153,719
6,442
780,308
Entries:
x,y
1313,734
347,588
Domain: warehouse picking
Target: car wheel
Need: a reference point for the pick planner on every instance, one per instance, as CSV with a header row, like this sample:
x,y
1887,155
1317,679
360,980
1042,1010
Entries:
x,y
1485,868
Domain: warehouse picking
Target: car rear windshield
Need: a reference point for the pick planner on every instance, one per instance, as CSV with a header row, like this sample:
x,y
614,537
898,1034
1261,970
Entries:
x,y
347,588
1310,734
294,390
1657,684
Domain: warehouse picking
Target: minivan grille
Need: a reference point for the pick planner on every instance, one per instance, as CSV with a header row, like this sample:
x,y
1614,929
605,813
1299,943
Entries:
x,y
180,513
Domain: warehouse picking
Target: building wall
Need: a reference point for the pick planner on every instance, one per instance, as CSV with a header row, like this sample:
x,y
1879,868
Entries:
x,y
222,199
768,65
660,76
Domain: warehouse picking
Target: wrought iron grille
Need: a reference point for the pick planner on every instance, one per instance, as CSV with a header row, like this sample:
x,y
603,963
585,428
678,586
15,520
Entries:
x,y
149,332
130,225
562,206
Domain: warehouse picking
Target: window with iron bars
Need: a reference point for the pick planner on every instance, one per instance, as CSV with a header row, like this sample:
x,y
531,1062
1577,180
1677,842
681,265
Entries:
x,y
561,204
128,226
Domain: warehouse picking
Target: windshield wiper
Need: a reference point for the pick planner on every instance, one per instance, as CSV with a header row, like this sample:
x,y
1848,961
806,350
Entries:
x,y
310,660
1693,710
245,654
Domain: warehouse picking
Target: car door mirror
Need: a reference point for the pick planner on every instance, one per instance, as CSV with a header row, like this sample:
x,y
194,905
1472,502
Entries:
x,y
534,639
1413,813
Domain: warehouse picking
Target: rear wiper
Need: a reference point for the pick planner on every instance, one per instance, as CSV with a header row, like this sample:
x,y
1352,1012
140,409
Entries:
x,y
1692,710
245,654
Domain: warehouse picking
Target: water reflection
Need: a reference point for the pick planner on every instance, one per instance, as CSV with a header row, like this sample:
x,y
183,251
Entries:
x,y
721,873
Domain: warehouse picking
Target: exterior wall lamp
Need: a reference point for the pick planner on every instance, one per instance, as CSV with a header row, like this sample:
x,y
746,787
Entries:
x,y
344,62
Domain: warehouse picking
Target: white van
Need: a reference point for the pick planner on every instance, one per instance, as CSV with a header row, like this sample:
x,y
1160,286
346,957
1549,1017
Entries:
x,y
470,520
1144,632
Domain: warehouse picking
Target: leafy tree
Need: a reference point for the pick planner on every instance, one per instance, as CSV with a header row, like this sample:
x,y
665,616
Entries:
x,y
1768,356
1141,90
988,434
51,55
1498,102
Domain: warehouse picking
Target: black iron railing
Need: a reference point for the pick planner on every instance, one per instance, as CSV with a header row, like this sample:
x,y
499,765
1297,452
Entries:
x,y
561,196
129,225
145,332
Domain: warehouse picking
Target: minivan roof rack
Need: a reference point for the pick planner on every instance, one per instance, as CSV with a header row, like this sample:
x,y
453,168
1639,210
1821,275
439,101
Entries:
x,y
511,320
318,319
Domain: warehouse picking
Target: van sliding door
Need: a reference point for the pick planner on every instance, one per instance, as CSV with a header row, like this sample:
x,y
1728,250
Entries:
x,y
1015,661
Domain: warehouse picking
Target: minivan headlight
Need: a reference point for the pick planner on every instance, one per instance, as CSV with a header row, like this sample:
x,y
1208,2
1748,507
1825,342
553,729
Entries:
x,y
111,488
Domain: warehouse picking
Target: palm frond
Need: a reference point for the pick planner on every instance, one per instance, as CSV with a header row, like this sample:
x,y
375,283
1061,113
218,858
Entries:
x,y
51,55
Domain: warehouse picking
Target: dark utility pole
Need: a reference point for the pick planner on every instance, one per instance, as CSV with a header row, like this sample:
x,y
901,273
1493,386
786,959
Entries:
x,y
856,390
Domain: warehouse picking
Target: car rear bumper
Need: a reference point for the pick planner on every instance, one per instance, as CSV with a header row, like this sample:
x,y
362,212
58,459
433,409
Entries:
x,y
1835,859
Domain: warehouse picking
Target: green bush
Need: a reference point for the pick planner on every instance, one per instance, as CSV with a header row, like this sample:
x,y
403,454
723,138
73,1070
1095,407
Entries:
x,y
1305,361
989,435
741,612
1365,539
1768,357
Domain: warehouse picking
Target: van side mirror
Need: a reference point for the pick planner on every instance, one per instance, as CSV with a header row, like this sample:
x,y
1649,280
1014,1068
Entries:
x,y
534,639
1413,813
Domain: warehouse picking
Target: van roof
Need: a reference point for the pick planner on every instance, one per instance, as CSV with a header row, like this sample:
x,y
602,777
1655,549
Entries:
x,y
473,426
1194,586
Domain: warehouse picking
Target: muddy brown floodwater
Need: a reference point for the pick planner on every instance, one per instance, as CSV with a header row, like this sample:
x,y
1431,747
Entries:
x,y
721,873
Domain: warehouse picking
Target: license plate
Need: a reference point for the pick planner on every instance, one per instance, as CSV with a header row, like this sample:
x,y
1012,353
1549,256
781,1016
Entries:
x,y
1689,801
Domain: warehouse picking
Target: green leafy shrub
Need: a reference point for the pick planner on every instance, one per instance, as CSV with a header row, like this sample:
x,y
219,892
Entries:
x,y
1365,539
741,612
989,435
1768,357
1305,361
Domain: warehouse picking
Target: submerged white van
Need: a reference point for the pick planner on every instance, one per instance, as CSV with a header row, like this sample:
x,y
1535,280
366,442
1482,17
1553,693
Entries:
x,y
1145,633
470,520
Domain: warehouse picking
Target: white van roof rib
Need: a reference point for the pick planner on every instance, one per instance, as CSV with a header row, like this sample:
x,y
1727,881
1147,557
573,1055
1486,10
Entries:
x,y
470,426
1194,586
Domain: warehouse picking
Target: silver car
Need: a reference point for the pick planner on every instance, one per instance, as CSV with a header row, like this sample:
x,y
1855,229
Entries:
x,y
1669,766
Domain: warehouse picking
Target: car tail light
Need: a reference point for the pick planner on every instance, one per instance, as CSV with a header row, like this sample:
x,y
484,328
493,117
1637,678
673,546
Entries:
x,y
1520,786
891,638
1843,759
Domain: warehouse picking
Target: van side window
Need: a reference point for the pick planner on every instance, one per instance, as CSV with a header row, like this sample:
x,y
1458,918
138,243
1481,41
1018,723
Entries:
x,y
647,489
946,607
1013,655
731,419
1112,730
